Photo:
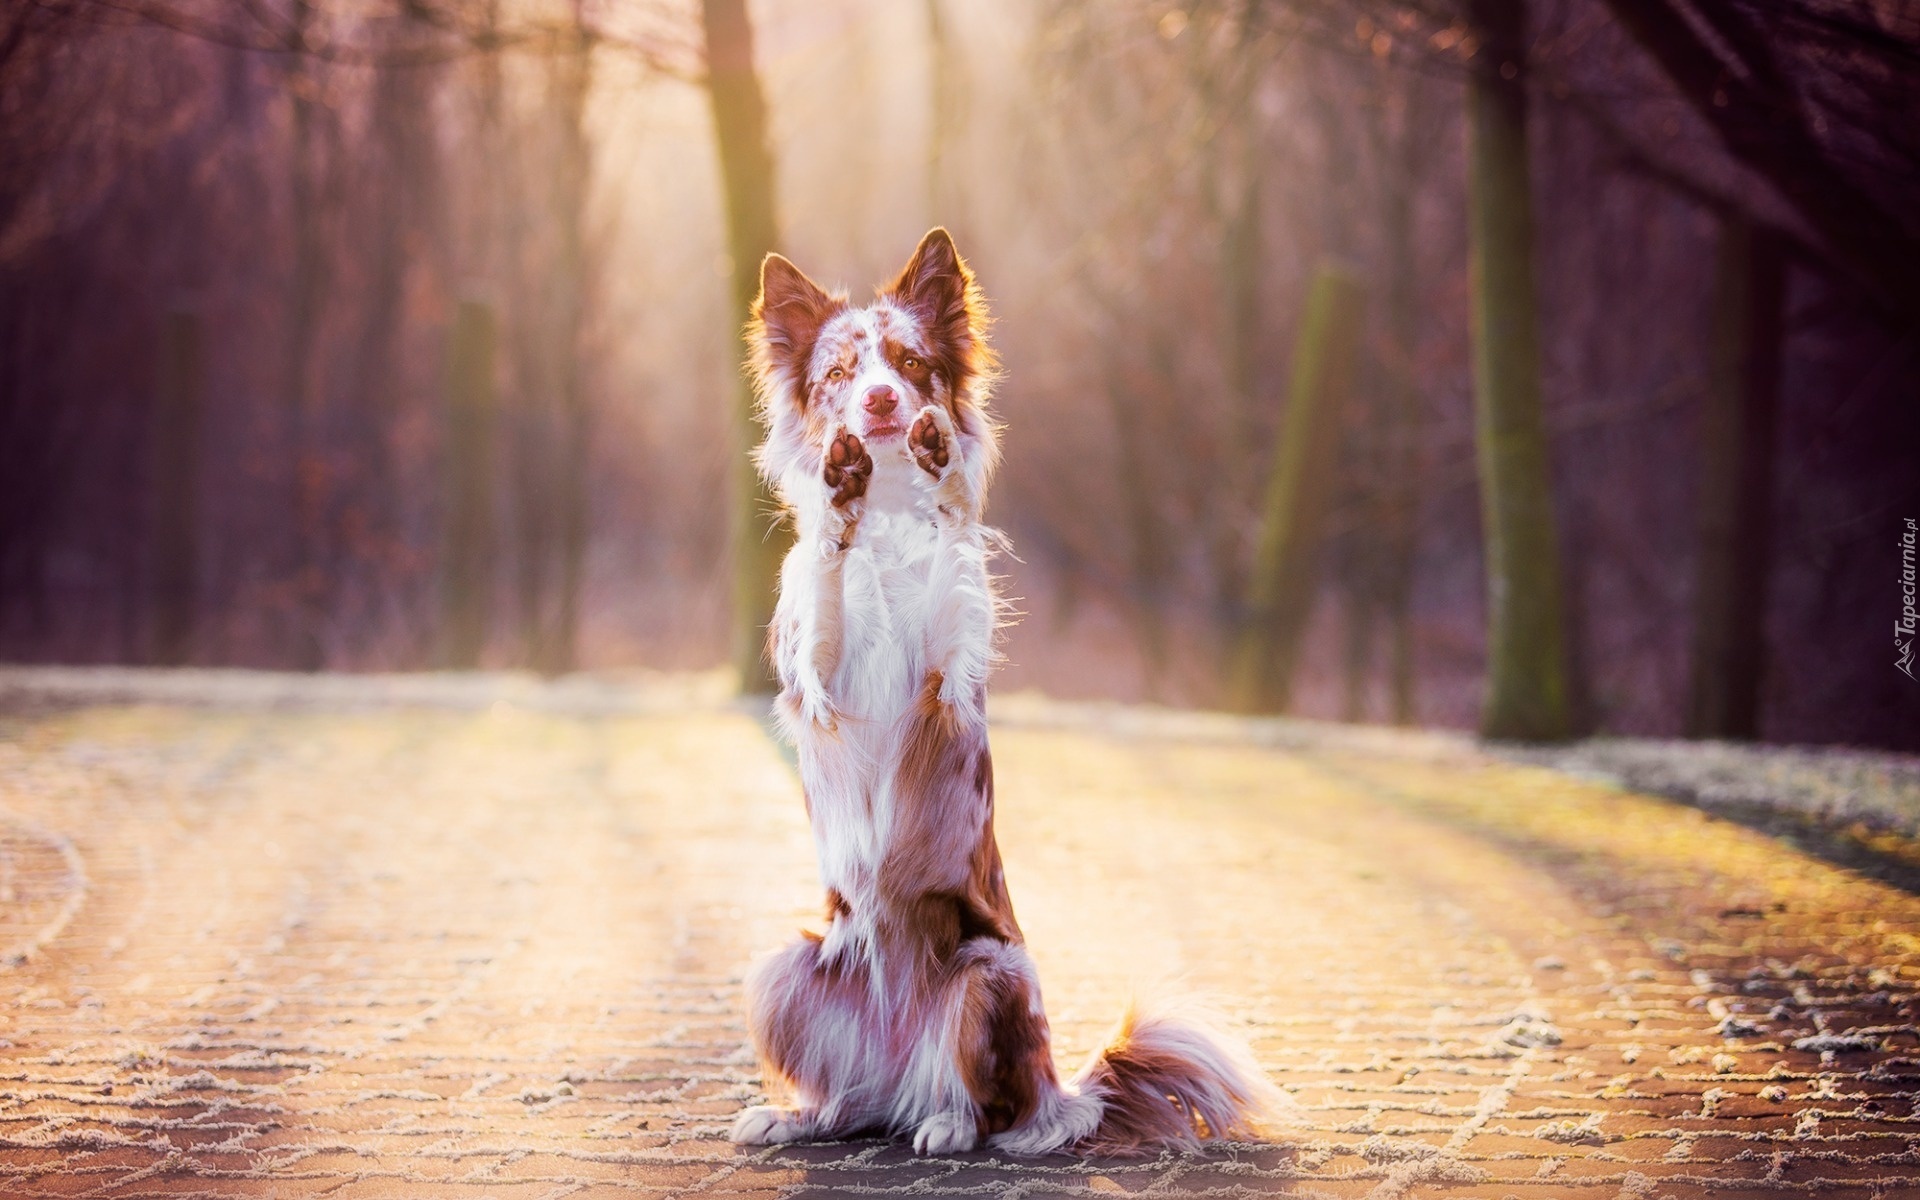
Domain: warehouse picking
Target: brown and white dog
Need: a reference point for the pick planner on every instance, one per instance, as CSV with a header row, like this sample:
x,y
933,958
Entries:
x,y
918,1010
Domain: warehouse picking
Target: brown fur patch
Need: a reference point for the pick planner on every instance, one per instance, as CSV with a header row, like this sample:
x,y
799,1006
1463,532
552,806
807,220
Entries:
x,y
913,366
784,325
943,835
1003,1049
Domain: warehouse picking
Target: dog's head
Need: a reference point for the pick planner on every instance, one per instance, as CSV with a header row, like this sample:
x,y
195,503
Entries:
x,y
820,364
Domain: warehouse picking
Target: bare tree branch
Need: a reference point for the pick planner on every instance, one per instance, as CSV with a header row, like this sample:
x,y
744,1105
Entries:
x,y
681,61
1751,107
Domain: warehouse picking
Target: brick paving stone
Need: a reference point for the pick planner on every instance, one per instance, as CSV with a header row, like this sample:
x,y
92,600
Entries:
x,y
425,941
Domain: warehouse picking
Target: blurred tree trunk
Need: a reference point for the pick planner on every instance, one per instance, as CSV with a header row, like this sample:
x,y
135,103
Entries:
x,y
306,456
1358,654
746,168
128,544
1585,712
1401,476
1285,572
1240,258
534,471
1226,75
35,443
487,234
400,175
574,78
176,444
1526,686
1736,483
1239,277
511,259
1146,534
466,573
948,100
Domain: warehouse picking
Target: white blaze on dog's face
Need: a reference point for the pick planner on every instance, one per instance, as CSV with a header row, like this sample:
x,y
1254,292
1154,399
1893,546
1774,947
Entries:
x,y
822,365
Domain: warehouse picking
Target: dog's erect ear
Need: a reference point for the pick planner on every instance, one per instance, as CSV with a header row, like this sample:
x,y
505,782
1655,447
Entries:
x,y
788,315
937,285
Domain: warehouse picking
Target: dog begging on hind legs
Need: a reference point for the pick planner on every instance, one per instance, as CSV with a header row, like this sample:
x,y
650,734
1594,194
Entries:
x,y
918,1012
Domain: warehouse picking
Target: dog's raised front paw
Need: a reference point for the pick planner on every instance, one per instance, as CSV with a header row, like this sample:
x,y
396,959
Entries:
x,y
947,1133
765,1125
810,705
960,694
846,468
931,440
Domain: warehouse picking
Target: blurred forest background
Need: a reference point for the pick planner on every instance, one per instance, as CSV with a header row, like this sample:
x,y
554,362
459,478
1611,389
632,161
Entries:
x,y
392,334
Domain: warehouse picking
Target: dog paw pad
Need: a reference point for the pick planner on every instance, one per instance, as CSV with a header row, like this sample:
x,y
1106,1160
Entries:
x,y
847,468
929,444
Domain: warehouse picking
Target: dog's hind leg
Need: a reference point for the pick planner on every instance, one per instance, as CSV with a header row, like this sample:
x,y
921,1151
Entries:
x,y
813,1025
982,1064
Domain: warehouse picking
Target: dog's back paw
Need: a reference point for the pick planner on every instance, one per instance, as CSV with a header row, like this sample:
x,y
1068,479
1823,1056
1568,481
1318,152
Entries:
x,y
1057,1124
947,1133
765,1125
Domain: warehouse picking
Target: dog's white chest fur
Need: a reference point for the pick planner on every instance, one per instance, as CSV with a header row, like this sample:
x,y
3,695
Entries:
x,y
891,599
889,594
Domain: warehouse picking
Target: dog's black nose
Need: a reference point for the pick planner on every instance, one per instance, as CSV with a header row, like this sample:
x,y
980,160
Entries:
x,y
880,400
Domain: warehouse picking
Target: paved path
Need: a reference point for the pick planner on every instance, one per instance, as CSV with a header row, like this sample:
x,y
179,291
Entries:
x,y
494,950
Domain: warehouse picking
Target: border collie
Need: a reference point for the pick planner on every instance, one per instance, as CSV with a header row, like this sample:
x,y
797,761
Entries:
x,y
918,1010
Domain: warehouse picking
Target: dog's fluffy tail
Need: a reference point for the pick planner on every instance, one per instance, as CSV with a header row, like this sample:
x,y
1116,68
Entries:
x,y
1166,1080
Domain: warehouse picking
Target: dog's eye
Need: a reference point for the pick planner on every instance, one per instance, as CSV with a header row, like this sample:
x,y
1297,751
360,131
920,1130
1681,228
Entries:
x,y
912,364
837,373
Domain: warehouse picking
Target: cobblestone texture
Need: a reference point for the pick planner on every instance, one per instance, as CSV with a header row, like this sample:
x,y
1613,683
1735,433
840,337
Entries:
x,y
495,950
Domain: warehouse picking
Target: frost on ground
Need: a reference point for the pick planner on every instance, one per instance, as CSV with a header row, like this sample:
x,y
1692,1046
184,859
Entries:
x,y
481,936
602,694
1836,785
